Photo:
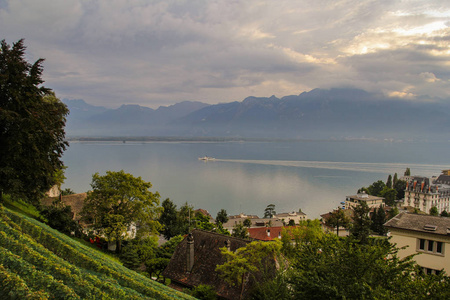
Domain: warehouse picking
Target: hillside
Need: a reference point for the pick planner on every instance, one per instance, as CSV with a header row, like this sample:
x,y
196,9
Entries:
x,y
317,114
37,262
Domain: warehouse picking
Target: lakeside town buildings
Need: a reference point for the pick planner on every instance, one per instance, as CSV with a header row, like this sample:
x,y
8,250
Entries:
x,y
423,193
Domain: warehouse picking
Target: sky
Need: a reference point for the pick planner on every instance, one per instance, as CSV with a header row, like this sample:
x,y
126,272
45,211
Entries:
x,y
158,53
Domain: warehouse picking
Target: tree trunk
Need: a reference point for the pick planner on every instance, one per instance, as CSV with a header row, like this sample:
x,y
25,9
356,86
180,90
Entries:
x,y
118,246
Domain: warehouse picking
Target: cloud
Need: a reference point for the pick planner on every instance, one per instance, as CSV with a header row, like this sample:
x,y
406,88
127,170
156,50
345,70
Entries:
x,y
161,52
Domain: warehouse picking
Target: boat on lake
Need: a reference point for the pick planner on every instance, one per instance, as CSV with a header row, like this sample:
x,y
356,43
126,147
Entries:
x,y
206,158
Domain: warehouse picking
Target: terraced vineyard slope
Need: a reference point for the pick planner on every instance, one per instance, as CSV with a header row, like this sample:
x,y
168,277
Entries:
x,y
38,262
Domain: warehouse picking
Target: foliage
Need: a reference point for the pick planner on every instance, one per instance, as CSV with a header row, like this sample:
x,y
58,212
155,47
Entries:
x,y
171,221
378,219
67,191
306,232
269,211
337,219
240,231
389,181
32,124
434,211
389,195
444,213
38,262
247,223
204,292
156,264
400,187
393,212
60,217
341,268
222,216
361,223
247,261
117,200
407,172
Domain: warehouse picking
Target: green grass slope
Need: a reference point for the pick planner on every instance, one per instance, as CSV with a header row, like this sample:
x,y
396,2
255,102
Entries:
x,y
38,262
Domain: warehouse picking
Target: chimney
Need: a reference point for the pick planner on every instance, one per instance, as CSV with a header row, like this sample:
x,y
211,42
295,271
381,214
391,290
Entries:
x,y
190,253
228,244
268,232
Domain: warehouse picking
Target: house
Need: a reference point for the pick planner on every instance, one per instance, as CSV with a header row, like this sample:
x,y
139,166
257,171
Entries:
x,y
342,231
297,217
255,222
195,259
423,193
371,201
75,201
428,236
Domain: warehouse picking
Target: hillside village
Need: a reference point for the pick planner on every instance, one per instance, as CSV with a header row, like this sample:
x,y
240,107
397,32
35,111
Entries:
x,y
410,227
391,240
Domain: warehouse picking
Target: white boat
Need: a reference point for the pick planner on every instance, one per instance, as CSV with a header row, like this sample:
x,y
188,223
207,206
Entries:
x,y
206,158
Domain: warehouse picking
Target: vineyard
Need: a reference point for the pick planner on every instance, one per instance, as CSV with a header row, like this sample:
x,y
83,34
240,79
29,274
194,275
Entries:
x,y
38,262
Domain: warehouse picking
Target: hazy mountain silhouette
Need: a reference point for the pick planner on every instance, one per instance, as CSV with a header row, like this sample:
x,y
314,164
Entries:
x,y
334,113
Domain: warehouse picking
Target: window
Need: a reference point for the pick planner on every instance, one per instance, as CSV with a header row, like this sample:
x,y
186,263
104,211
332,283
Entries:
x,y
422,244
431,247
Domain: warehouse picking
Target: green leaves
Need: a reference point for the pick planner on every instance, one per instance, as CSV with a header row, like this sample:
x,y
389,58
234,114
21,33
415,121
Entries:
x,y
32,124
119,199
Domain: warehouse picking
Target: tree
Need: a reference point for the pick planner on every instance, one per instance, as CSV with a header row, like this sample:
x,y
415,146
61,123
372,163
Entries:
x,y
407,172
240,231
204,292
332,268
394,181
32,121
389,195
361,223
376,188
222,216
60,217
246,261
269,211
117,200
337,219
444,213
400,187
247,223
170,220
434,211
378,219
389,181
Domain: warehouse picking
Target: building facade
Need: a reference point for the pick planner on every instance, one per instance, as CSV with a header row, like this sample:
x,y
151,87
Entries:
x,y
425,235
371,201
423,193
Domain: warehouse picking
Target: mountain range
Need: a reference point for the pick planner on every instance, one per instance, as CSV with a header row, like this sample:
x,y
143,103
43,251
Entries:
x,y
318,114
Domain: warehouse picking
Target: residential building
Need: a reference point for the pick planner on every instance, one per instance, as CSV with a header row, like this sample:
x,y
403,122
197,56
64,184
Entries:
x,y
425,235
423,193
371,201
297,217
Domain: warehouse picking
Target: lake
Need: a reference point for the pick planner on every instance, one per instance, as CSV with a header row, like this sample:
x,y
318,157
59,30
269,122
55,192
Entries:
x,y
314,176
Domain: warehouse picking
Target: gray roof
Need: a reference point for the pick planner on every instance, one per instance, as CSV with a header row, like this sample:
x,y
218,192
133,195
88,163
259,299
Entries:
x,y
420,223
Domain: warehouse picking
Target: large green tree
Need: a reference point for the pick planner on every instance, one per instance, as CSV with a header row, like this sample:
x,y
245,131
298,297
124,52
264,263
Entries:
x,y
117,200
32,122
269,212
361,223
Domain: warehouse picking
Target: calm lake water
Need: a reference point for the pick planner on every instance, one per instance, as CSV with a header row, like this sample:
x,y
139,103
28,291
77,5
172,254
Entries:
x,y
247,176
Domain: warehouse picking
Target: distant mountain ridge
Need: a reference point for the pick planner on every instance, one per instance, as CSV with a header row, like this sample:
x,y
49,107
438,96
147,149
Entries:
x,y
321,114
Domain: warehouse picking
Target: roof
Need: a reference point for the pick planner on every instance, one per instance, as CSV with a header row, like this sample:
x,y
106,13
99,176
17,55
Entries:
x,y
420,223
75,201
268,233
365,197
207,256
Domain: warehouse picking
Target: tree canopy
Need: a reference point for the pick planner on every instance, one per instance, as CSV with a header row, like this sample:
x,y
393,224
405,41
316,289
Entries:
x,y
117,200
32,122
269,212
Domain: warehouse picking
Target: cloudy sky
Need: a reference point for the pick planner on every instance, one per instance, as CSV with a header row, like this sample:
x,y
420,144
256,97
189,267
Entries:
x,y
112,52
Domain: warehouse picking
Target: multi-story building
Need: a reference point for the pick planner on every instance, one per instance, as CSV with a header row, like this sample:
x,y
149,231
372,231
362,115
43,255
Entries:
x,y
371,201
429,236
424,193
